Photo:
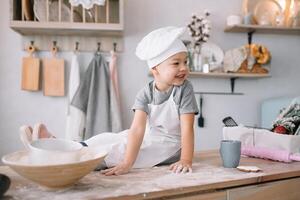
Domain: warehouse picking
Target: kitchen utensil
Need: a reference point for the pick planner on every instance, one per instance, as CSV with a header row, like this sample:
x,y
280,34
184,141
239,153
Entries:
x,y
200,119
54,75
28,10
30,71
53,176
229,122
230,152
4,184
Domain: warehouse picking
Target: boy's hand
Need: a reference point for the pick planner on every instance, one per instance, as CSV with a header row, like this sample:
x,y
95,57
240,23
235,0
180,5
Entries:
x,y
182,166
122,168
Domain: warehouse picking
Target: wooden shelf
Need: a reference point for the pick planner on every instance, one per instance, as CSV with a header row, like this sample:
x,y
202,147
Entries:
x,y
228,75
231,76
262,29
66,28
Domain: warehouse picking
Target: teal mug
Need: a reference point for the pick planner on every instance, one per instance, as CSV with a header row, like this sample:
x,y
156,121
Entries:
x,y
230,151
248,19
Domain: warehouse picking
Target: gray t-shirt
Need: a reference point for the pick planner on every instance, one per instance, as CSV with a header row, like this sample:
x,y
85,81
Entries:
x,y
184,98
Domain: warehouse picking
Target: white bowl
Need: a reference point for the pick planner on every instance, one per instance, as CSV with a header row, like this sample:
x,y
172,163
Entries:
x,y
53,176
54,151
234,20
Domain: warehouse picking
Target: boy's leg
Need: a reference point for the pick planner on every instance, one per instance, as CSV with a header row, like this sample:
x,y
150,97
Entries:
x,y
41,131
26,134
102,165
172,159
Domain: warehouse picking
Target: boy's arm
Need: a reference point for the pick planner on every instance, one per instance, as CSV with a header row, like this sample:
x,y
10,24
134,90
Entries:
x,y
135,138
187,137
187,144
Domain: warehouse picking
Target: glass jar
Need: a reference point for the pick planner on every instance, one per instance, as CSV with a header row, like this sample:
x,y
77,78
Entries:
x,y
206,67
197,59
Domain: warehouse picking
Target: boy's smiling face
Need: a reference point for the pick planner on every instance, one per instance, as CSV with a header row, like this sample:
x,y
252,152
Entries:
x,y
172,71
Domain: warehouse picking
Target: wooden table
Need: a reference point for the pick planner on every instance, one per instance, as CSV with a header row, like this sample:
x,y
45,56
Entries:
x,y
209,180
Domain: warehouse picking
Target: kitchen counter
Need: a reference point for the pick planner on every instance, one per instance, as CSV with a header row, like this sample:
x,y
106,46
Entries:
x,y
209,180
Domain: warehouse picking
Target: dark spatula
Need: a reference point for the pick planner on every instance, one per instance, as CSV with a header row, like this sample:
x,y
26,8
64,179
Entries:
x,y
229,122
200,119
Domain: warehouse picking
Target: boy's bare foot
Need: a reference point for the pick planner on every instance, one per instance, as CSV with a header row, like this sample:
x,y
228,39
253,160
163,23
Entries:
x,y
40,131
26,133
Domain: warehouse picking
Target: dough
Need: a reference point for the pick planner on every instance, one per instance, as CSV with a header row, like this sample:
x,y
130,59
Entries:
x,y
248,168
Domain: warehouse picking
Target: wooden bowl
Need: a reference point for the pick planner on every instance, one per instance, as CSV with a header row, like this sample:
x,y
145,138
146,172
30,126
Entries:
x,y
53,176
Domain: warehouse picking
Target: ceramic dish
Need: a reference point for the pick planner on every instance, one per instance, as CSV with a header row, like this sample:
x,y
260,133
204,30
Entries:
x,y
40,11
49,151
266,11
87,4
53,176
249,5
89,13
214,54
55,151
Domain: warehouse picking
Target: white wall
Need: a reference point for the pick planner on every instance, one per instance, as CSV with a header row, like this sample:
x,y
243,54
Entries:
x,y
141,16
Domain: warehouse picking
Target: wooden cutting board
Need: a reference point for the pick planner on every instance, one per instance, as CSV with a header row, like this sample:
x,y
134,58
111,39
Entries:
x,y
27,9
54,76
30,72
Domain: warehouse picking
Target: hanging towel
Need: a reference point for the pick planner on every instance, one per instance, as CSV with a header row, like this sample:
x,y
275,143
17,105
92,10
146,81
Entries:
x,y
114,74
115,107
93,97
75,117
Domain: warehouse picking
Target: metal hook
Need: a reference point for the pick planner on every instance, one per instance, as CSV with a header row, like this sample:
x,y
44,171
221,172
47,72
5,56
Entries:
x,y
54,48
250,34
31,46
115,46
99,46
76,46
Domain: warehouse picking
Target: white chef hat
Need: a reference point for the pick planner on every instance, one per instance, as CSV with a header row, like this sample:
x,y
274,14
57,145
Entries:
x,y
160,44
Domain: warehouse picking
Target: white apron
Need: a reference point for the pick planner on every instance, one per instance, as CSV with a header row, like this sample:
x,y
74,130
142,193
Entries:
x,y
161,141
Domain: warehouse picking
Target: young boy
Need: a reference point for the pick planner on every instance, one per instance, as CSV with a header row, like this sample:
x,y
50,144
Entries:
x,y
162,128
167,105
